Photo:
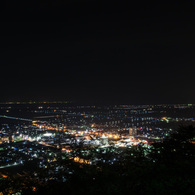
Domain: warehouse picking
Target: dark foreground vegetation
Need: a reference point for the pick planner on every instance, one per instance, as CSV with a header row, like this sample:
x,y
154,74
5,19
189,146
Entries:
x,y
167,168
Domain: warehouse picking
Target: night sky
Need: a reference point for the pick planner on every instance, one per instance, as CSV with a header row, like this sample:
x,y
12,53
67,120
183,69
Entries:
x,y
98,51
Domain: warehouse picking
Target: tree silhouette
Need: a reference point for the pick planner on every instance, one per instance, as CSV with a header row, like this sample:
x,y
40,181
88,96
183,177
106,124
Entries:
x,y
178,146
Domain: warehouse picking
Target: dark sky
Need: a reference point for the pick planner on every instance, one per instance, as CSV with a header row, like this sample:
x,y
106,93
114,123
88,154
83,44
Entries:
x,y
98,51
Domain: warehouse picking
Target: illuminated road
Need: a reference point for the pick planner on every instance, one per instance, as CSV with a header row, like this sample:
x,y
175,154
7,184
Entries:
x,y
15,118
46,116
9,165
